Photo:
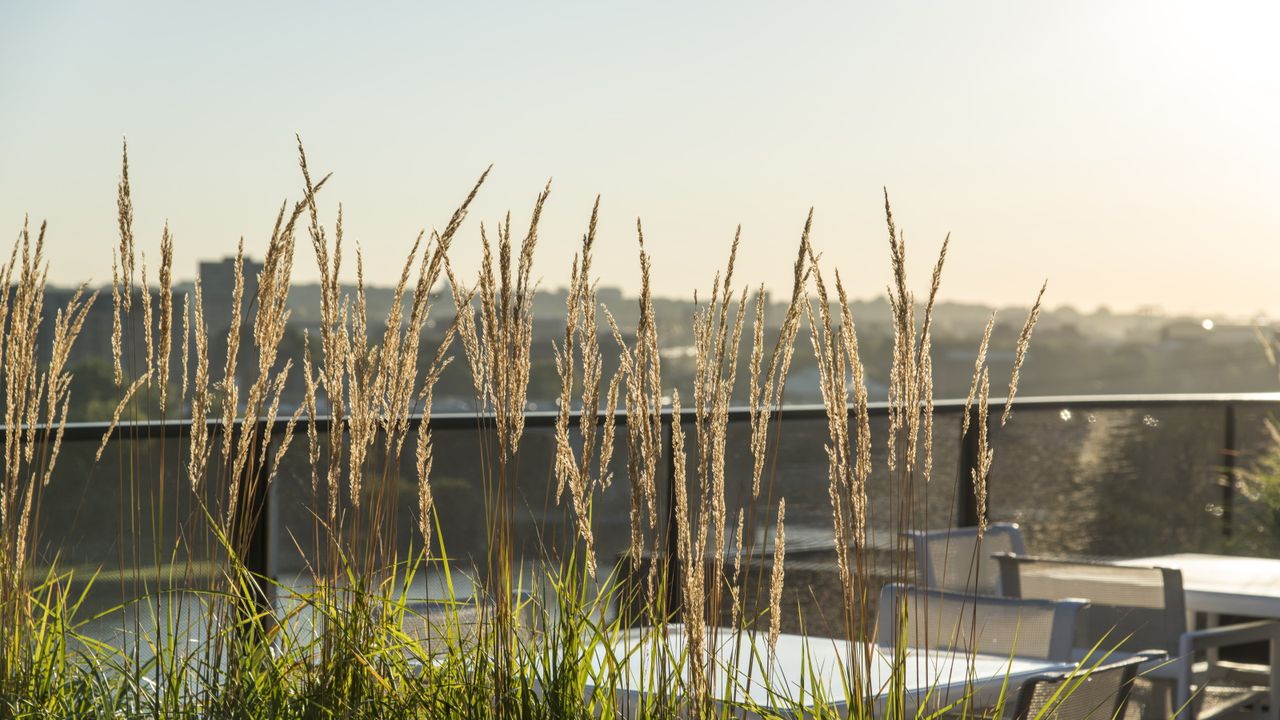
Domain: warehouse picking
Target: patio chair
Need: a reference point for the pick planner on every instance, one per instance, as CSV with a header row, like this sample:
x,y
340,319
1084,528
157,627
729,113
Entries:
x,y
1100,691
1133,609
1042,629
955,559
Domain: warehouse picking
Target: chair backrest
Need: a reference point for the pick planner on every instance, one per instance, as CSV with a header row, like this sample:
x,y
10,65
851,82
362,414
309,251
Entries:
x,y
1130,608
1041,629
1101,692
955,559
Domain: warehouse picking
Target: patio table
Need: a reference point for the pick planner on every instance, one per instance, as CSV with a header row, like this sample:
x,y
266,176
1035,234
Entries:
x,y
804,671
1223,584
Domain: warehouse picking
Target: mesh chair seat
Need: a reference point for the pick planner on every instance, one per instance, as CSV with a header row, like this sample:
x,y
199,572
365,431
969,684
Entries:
x,y
1221,700
1225,695
1099,692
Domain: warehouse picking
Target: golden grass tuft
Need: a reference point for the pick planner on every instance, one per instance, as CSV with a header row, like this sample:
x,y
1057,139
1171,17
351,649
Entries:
x,y
641,366
165,331
978,364
31,394
200,445
573,470
777,576
1020,353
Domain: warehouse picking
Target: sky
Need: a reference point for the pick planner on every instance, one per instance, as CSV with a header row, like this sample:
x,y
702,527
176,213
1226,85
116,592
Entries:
x,y
1126,151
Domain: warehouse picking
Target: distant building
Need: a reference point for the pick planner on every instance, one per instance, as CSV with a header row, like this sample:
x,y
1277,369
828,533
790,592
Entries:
x,y
217,288
217,280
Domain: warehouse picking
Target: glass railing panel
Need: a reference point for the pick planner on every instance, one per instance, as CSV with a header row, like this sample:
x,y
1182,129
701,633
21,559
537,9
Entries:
x,y
1254,519
1111,482
796,468
465,481
130,528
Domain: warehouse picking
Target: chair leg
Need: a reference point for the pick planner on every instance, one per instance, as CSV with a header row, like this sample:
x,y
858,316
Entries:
x,y
1182,705
1211,654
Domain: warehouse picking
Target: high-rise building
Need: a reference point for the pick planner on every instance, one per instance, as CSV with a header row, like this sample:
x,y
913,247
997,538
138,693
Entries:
x,y
217,280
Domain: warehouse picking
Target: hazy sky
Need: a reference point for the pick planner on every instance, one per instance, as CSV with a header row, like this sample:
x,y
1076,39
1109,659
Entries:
x,y
1130,152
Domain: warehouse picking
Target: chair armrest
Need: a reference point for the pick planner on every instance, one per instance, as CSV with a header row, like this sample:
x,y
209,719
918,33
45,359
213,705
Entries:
x,y
1229,635
1194,640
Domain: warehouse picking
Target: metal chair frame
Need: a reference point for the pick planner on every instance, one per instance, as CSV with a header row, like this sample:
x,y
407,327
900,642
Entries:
x,y
1179,643
1057,647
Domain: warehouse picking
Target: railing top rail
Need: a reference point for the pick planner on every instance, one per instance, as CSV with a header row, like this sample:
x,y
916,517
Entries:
x,y
546,418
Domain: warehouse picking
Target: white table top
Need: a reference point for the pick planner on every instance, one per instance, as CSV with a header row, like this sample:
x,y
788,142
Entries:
x,y
805,671
1224,584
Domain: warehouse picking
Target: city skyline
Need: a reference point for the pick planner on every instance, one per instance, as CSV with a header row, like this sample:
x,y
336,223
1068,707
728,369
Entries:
x,y
611,293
